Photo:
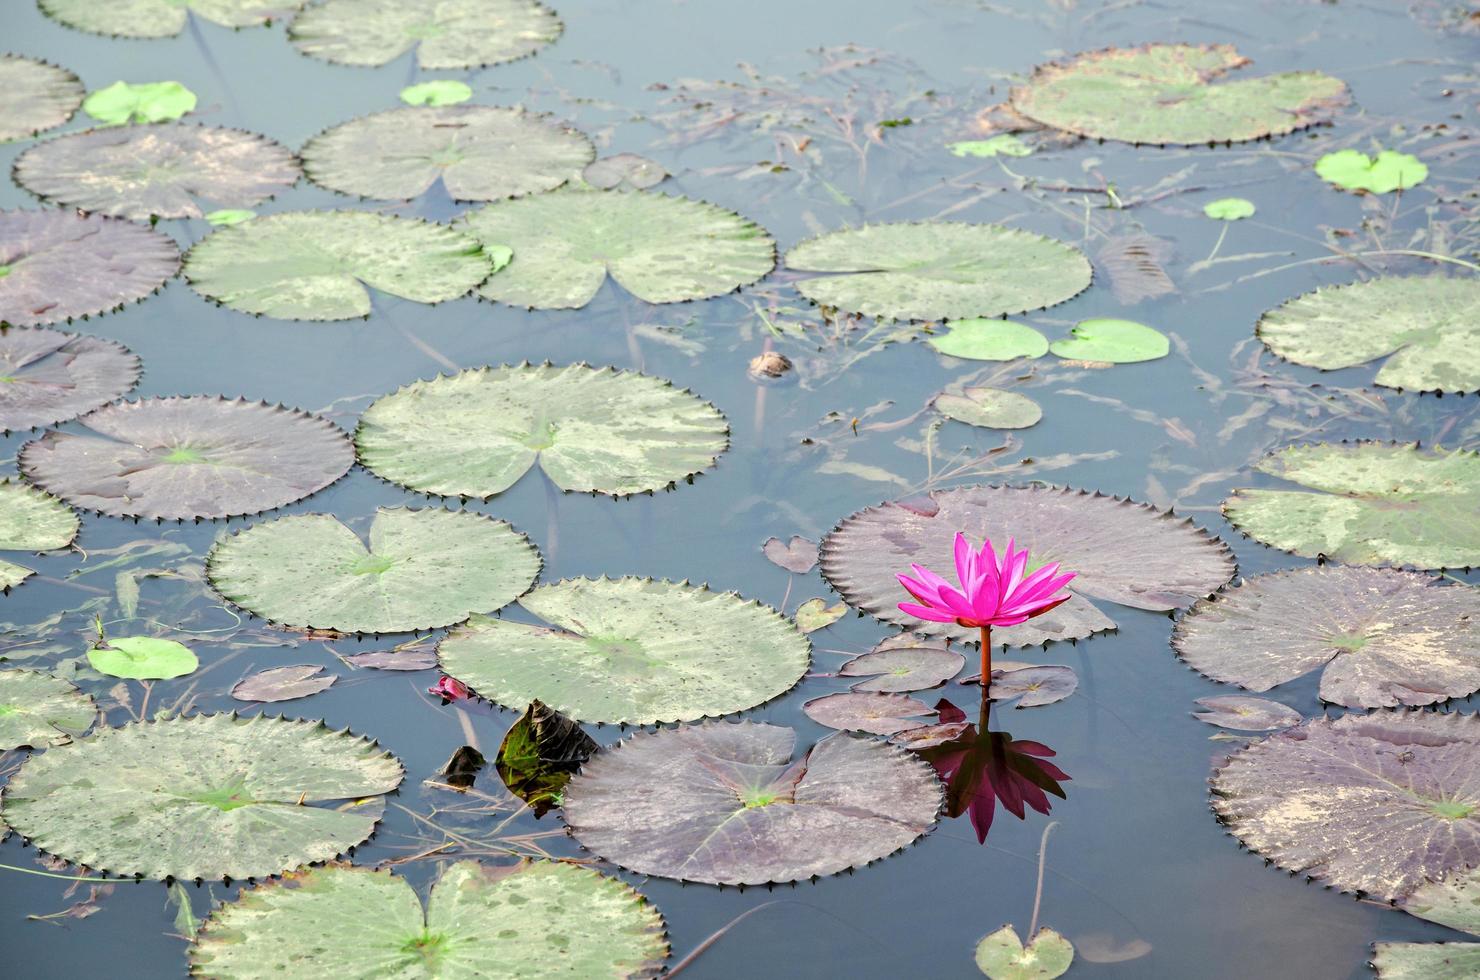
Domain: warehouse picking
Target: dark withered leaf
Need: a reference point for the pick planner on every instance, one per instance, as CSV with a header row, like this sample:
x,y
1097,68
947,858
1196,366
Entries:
x,y
539,755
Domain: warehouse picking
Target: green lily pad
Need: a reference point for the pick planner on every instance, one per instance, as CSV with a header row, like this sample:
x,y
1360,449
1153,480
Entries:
x,y
1426,961
979,339
146,102
315,265
188,458
601,430
423,569
1114,341
447,34
437,92
938,270
1452,901
542,919
1174,93
158,171
60,264
726,804
1229,209
146,658
660,249
162,18
229,216
1002,955
1001,145
1389,171
479,152
816,614
1429,325
631,651
203,796
35,96
1373,504
989,408
37,710
31,521
47,376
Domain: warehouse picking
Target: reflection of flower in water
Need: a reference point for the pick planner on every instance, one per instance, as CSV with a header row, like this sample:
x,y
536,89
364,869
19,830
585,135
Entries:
x,y
981,767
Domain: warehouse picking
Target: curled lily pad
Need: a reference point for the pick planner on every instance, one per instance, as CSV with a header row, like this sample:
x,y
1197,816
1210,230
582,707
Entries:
x,y
1113,341
1373,803
539,754
147,102
1373,504
31,521
143,658
1174,93
188,458
869,711
203,796
37,710
1246,714
980,339
315,265
726,804
1428,328
904,663
479,152
1426,961
938,270
56,265
437,92
162,18
1380,637
47,376
660,249
990,408
1121,552
601,430
1002,955
1389,171
423,569
541,919
630,650
1452,901
284,684
625,170
35,96
447,34
158,171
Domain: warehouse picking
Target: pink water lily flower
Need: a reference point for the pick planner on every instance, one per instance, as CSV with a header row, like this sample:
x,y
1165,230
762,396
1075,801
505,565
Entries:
x,y
992,591
449,689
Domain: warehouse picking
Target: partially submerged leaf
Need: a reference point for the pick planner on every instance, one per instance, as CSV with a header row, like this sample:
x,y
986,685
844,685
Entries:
x,y
816,614
1001,145
447,34
627,171
989,340
437,92
873,712
35,96
143,658
1136,265
284,683
1389,171
229,216
1002,955
904,663
423,569
726,804
1113,341
797,555
38,710
990,408
47,376
1246,714
539,754
31,520
1426,961
203,796
461,770
162,18
146,102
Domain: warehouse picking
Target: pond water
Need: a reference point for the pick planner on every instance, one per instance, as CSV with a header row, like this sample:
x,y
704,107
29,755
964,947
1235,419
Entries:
x,y
774,110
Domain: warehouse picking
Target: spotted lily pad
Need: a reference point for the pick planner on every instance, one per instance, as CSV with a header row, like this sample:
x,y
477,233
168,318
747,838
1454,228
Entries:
x,y
1246,714
35,96
1121,552
630,650
1381,637
660,249
1389,171
873,712
479,152
147,102
1452,901
477,432
904,663
1426,961
1373,803
423,569
1002,955
1174,93
47,376
989,408
1373,504
188,458
31,521
162,18
315,265
981,339
1113,341
938,270
726,804
158,171
1429,325
56,265
284,684
142,658
37,710
203,796
541,919
437,92
447,34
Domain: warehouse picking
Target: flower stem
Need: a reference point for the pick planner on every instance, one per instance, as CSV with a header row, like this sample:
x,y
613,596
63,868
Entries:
x,y
986,658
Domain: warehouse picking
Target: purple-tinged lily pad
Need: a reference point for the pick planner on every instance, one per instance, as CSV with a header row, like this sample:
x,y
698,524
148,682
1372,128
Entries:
x,y
1246,714
1121,551
1381,637
398,658
56,265
726,804
47,376
875,713
284,683
35,96
189,458
1033,686
797,555
904,663
1373,803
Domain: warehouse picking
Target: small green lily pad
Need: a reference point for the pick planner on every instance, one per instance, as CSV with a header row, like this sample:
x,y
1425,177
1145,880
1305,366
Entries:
x,y
1389,171
145,658
1001,145
229,216
438,92
1113,341
990,408
1229,209
145,102
1002,955
816,614
38,709
980,339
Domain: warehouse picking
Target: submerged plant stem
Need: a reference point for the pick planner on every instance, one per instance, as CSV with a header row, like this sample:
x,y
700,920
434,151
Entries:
x,y
1038,892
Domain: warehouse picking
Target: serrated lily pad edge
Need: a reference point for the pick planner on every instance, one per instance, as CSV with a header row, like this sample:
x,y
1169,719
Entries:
x,y
138,375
